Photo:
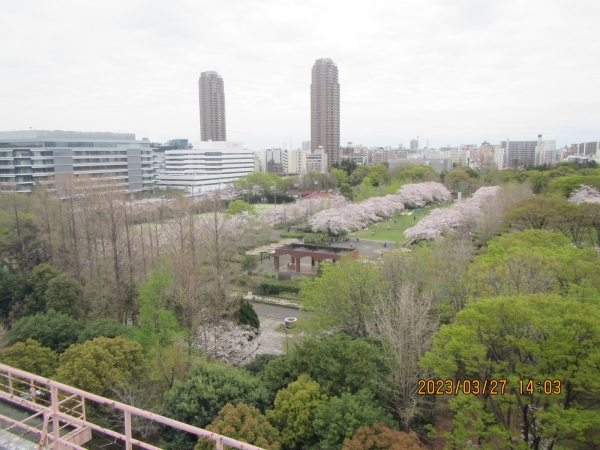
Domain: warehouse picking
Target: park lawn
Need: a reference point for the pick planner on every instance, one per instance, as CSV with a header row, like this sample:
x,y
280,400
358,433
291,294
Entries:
x,y
263,207
396,233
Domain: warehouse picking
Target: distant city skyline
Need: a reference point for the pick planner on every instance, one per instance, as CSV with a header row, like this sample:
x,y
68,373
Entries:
x,y
453,73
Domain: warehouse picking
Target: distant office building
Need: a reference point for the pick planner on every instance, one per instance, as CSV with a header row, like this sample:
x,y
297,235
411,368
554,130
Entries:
x,y
212,107
414,144
160,149
211,166
31,156
317,161
588,148
518,153
438,161
526,153
306,146
270,160
486,156
356,153
325,110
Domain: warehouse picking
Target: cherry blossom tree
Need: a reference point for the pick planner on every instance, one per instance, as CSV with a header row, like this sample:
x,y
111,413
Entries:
x,y
462,215
354,216
228,342
416,195
585,194
301,209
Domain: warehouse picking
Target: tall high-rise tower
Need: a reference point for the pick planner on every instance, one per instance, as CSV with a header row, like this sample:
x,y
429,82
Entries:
x,y
212,107
325,109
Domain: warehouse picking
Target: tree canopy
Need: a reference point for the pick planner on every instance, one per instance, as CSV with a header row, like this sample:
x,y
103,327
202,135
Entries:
x,y
341,297
294,412
380,437
30,356
340,417
551,340
244,423
337,362
208,388
52,329
102,364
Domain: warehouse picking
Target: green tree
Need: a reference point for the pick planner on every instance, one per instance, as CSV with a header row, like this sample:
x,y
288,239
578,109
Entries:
x,y
347,191
246,315
258,364
340,175
294,412
21,245
198,400
31,357
63,294
239,206
106,327
38,282
530,262
365,190
462,178
13,290
245,424
341,297
340,417
533,213
261,180
380,437
156,323
411,173
102,364
553,341
336,361
54,330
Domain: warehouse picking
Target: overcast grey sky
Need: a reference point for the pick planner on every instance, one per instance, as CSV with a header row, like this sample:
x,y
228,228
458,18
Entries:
x,y
453,71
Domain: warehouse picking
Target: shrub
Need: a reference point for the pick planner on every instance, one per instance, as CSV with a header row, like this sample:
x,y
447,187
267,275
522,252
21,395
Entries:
x,y
246,315
249,262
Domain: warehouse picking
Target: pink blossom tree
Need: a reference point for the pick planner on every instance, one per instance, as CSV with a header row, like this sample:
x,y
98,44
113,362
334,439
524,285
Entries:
x,y
585,194
416,195
462,215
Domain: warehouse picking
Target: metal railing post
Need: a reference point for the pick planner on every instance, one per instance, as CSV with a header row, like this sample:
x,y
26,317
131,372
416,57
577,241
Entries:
x,y
55,420
10,388
219,444
127,415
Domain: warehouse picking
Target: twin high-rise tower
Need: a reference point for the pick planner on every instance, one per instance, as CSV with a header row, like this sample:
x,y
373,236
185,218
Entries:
x,y
324,108
212,107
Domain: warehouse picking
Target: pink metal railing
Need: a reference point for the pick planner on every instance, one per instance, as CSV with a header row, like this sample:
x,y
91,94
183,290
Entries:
x,y
70,412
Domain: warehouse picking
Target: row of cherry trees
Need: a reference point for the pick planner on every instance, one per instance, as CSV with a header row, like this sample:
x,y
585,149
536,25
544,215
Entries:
x,y
464,215
301,209
349,217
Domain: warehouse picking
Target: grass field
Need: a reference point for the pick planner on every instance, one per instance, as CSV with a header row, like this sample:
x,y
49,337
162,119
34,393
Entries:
x,y
265,207
396,233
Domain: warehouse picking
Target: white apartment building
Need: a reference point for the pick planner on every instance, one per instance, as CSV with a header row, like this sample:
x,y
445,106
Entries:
x,y
211,166
545,152
294,161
